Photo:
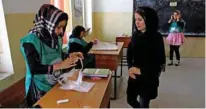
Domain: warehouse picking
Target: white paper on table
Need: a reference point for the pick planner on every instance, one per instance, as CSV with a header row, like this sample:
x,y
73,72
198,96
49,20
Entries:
x,y
84,87
105,46
69,74
63,79
68,86
78,85
80,76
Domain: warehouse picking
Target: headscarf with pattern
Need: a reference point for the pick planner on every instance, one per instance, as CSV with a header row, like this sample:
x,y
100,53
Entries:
x,y
46,19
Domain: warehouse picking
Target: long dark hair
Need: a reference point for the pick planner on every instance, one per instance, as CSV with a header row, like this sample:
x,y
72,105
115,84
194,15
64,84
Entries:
x,y
77,31
150,17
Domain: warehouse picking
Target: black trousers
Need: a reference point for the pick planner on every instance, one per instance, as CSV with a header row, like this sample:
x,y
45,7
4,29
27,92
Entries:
x,y
34,94
142,103
133,94
174,48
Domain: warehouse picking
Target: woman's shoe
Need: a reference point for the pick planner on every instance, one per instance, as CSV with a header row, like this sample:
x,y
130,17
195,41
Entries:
x,y
169,64
178,63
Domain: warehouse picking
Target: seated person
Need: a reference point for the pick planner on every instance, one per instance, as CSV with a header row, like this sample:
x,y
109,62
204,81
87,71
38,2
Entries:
x,y
42,52
76,43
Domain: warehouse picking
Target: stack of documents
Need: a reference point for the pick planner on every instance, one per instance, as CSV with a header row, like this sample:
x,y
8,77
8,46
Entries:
x,y
96,72
105,46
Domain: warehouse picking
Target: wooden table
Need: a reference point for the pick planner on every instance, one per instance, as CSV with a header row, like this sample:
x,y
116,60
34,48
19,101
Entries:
x,y
126,41
110,60
98,97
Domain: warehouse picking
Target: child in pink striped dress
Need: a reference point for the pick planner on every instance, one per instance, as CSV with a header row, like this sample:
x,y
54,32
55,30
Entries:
x,y
176,36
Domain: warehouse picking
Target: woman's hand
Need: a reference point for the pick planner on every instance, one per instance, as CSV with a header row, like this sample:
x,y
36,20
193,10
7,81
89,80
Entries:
x,y
67,63
94,41
171,17
133,71
162,68
178,18
76,54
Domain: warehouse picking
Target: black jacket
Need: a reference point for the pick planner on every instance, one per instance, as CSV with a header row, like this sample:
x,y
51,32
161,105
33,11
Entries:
x,y
89,60
146,52
75,47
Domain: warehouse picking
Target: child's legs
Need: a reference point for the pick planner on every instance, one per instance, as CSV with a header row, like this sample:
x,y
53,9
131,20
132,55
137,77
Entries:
x,y
176,49
171,51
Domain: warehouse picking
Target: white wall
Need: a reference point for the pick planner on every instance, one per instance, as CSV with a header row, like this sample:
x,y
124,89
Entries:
x,y
112,5
31,6
23,6
88,14
5,57
12,7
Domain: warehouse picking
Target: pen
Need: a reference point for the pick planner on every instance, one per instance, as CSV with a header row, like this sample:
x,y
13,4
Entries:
x,y
62,101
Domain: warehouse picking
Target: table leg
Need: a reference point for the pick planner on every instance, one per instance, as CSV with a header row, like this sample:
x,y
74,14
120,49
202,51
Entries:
x,y
115,85
121,66
108,105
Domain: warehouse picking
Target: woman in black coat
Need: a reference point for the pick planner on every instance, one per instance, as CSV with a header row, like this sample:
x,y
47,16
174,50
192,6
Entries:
x,y
146,58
